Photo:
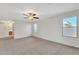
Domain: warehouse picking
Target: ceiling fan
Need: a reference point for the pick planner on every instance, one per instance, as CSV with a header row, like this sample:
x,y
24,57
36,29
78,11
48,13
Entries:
x,y
31,16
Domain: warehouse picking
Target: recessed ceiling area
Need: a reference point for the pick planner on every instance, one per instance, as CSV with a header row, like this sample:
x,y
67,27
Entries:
x,y
14,10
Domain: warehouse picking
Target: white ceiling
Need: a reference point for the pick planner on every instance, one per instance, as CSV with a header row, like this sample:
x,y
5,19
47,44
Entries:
x,y
14,10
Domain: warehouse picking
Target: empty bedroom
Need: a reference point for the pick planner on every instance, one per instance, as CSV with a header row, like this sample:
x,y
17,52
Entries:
x,y
39,28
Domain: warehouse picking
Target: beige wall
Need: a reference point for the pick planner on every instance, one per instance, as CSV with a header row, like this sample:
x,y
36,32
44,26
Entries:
x,y
21,29
51,29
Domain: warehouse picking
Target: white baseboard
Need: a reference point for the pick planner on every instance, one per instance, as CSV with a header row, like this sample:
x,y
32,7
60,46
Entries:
x,y
55,41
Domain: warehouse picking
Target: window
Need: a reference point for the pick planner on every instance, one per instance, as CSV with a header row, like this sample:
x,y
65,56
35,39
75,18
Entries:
x,y
70,26
35,27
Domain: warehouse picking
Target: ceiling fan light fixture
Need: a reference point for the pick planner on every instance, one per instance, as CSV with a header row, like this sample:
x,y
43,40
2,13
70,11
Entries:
x,y
31,16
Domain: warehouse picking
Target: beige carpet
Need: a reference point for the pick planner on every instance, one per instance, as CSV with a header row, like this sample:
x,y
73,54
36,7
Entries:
x,y
34,46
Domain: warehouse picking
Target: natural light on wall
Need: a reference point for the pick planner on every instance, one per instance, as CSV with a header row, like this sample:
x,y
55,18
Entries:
x,y
8,24
35,27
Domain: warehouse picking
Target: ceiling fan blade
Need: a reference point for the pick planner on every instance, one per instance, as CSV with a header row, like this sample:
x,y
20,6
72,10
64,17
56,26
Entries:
x,y
25,15
36,17
30,14
34,14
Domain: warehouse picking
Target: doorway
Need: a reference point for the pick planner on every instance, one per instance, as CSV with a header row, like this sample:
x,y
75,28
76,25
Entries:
x,y
7,30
